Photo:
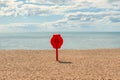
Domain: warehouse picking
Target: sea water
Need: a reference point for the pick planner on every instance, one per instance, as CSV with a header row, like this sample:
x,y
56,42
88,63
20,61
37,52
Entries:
x,y
72,40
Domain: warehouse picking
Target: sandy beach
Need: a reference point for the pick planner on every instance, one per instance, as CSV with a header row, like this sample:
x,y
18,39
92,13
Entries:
x,y
99,64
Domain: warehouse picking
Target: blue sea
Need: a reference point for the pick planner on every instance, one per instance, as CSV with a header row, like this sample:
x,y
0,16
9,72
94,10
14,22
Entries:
x,y
72,40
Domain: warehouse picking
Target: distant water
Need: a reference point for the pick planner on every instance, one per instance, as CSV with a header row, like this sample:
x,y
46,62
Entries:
x,y
72,40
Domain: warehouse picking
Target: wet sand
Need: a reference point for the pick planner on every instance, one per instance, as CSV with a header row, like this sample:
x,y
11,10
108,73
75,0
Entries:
x,y
99,64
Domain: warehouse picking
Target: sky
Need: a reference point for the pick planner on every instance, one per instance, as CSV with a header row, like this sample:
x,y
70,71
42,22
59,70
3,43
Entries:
x,y
59,15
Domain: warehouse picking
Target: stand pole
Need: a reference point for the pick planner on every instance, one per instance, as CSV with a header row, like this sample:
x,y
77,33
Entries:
x,y
56,54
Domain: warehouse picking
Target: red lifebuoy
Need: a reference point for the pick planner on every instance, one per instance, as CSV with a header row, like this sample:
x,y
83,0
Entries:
x,y
56,41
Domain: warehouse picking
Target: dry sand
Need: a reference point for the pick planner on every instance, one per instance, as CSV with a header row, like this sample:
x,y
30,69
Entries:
x,y
101,64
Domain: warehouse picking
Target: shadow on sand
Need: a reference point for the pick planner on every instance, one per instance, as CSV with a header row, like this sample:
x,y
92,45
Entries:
x,y
64,62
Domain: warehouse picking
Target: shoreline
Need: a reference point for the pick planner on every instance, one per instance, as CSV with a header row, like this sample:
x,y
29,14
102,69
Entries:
x,y
61,49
